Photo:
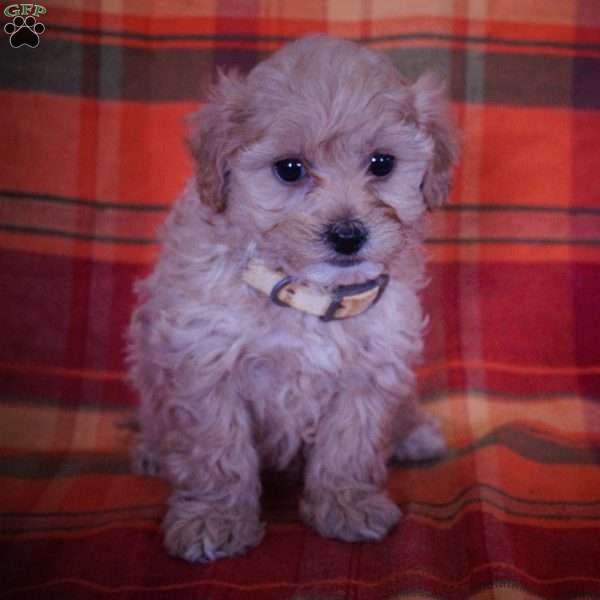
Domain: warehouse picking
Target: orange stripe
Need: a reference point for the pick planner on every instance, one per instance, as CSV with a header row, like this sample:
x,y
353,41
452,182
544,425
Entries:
x,y
516,475
156,180
172,164
505,174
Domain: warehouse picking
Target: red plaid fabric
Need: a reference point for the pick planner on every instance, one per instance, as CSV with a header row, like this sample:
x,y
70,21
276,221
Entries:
x,y
92,122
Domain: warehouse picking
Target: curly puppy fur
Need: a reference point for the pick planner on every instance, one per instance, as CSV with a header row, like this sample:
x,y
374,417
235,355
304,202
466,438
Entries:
x,y
230,382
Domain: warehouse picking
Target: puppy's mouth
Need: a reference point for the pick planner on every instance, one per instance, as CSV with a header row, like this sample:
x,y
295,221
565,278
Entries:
x,y
344,261
347,270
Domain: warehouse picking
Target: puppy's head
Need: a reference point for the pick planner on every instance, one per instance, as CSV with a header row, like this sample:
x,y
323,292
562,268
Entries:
x,y
325,157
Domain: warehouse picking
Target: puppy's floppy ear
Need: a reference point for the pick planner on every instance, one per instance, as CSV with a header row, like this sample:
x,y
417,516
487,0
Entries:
x,y
435,118
215,135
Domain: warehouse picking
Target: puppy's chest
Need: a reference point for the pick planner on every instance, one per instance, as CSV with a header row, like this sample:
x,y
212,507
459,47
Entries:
x,y
285,395
282,373
305,349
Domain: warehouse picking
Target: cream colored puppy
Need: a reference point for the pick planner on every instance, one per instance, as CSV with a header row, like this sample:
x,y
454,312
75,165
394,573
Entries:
x,y
283,318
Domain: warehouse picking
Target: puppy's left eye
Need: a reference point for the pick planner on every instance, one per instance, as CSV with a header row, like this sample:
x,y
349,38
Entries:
x,y
381,164
290,170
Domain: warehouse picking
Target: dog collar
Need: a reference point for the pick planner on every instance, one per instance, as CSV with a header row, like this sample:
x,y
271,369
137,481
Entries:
x,y
341,302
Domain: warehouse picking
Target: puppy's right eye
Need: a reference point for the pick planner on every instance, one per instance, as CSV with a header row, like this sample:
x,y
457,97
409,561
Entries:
x,y
290,170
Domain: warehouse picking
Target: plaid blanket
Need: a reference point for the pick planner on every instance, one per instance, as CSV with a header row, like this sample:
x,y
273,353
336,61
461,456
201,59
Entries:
x,y
92,154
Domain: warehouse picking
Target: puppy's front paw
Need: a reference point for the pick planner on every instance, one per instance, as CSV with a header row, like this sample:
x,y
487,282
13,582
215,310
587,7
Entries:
x,y
210,533
425,442
351,516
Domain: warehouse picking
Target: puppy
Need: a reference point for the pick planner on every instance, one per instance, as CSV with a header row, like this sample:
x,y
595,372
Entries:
x,y
282,319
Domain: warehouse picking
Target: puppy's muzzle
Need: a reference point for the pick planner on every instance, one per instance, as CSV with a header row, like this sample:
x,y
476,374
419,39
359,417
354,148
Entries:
x,y
346,237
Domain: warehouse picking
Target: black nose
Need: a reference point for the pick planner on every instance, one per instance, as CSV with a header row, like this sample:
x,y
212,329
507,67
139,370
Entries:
x,y
346,237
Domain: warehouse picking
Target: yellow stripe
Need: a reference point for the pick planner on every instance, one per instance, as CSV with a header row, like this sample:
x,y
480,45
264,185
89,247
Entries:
x,y
59,429
533,11
461,416
502,592
52,429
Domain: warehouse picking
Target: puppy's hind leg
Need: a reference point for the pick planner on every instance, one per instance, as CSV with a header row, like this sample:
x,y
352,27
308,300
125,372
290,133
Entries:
x,y
418,435
145,457
144,453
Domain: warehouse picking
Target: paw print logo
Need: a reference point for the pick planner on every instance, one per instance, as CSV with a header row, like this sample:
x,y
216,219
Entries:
x,y
24,32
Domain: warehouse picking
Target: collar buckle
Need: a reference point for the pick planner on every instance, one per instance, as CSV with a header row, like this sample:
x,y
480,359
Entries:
x,y
345,301
351,300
